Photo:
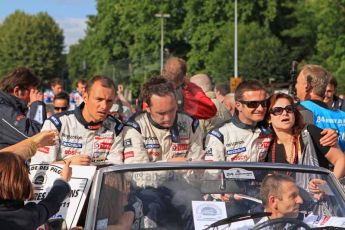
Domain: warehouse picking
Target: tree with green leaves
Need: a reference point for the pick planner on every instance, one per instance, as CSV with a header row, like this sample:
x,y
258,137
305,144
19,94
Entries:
x,y
34,41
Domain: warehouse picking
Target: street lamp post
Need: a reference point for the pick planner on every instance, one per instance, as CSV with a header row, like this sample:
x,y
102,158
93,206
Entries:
x,y
162,16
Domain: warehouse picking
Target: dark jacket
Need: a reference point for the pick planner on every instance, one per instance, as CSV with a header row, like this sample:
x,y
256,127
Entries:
x,y
15,215
16,121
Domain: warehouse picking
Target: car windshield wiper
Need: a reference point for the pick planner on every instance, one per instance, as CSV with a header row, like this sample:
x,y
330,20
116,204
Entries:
x,y
239,217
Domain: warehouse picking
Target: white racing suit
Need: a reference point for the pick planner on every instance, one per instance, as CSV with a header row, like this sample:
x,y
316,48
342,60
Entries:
x,y
101,141
236,141
146,141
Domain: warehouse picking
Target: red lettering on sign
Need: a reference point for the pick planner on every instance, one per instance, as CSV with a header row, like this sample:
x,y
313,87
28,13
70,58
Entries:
x,y
104,145
180,147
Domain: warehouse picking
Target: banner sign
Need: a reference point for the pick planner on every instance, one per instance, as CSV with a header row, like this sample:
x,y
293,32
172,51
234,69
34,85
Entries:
x,y
43,176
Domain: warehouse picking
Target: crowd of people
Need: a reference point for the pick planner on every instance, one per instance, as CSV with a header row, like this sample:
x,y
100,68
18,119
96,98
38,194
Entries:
x,y
177,119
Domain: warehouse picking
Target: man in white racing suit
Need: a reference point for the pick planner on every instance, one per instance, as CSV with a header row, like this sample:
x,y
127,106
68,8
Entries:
x,y
87,134
242,138
163,134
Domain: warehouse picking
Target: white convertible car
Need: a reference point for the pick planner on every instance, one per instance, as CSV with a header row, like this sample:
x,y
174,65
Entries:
x,y
207,195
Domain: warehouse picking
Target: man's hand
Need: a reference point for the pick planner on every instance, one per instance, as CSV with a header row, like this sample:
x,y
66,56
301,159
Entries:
x,y
80,160
35,95
66,172
329,137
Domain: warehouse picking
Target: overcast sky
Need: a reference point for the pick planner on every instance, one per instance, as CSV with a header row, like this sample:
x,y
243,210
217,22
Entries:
x,y
69,14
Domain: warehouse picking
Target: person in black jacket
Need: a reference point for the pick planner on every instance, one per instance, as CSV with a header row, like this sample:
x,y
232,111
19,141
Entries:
x,y
22,111
16,187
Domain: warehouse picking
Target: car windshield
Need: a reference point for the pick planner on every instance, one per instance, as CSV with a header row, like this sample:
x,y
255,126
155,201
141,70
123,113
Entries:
x,y
196,196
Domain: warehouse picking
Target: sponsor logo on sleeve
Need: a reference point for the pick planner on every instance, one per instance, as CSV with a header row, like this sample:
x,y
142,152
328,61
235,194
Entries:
x,y
179,147
71,152
127,143
128,154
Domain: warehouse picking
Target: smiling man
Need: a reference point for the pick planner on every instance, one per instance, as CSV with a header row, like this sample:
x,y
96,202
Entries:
x,y
242,138
88,133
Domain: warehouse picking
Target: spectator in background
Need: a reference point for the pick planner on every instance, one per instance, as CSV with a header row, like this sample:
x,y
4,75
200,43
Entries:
x,y
331,99
221,89
311,86
76,97
204,82
190,98
121,109
18,90
56,86
16,187
229,102
61,102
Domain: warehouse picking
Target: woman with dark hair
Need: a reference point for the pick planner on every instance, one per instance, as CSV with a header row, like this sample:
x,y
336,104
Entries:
x,y
15,187
289,137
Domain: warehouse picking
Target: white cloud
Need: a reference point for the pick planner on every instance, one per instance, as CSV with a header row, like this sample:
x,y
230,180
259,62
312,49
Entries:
x,y
73,28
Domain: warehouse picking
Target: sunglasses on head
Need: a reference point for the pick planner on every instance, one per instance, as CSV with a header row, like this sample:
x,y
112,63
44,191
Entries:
x,y
61,108
255,104
279,110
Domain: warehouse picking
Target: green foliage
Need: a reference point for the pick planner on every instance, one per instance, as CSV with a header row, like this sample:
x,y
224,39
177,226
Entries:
x,y
34,41
123,39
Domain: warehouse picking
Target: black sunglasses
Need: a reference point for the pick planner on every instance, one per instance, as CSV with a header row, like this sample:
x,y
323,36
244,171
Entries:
x,y
279,110
61,108
255,104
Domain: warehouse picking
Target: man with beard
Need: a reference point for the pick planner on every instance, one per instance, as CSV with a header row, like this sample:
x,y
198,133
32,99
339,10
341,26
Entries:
x,y
163,134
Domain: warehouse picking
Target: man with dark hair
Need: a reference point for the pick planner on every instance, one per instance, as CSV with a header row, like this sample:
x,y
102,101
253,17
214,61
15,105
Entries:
x,y
280,196
61,102
56,86
161,133
221,89
18,90
331,99
190,98
242,138
311,86
88,133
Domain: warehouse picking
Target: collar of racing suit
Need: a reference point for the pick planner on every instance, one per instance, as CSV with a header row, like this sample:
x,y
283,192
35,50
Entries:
x,y
80,118
174,131
261,125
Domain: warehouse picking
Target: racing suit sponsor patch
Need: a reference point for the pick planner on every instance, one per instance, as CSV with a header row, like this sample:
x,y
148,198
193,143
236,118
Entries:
x,y
71,144
209,152
152,146
43,149
127,143
180,147
235,151
128,154
218,135
103,145
56,121
71,152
